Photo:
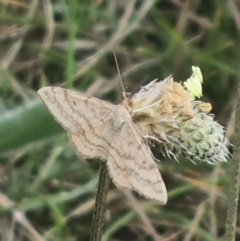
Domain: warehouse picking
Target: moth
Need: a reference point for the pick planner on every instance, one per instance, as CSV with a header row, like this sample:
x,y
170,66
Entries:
x,y
99,129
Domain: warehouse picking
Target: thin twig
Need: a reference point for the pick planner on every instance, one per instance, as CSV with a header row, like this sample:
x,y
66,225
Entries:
x,y
234,174
100,203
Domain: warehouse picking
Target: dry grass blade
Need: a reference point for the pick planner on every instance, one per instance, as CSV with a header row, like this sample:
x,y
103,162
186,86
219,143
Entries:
x,y
20,218
13,51
124,30
195,222
135,205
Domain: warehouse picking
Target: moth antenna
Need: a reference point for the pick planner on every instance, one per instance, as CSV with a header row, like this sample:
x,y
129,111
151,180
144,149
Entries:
x,y
120,76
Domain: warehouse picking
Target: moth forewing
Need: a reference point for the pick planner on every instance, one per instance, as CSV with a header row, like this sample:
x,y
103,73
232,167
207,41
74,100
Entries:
x,y
75,111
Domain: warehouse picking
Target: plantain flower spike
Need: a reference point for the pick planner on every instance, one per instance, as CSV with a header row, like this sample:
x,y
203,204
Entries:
x,y
168,114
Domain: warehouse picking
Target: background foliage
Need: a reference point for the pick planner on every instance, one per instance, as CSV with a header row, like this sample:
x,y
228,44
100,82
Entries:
x,y
46,193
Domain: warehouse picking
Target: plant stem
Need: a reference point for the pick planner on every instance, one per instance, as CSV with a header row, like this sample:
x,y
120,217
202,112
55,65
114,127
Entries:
x,y
100,203
234,174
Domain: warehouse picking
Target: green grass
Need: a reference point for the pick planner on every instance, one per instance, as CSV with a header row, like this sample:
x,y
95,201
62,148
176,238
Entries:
x,y
70,44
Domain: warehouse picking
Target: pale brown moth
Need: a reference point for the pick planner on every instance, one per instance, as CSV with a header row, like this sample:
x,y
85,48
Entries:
x,y
99,129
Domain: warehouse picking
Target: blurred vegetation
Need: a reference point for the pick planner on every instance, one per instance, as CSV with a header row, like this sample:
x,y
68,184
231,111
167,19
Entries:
x,y
46,192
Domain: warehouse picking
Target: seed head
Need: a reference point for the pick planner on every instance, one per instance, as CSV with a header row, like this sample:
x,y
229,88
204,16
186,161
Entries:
x,y
167,113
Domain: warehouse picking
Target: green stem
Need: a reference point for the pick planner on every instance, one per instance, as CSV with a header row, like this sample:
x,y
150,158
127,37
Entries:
x,y
100,203
234,178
